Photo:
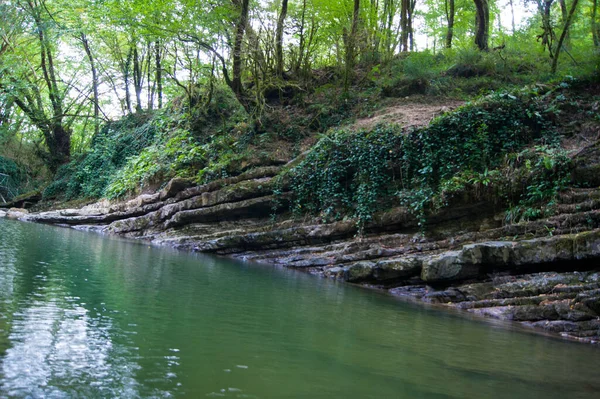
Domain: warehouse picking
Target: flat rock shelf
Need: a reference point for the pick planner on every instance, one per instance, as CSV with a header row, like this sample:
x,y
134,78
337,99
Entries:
x,y
542,274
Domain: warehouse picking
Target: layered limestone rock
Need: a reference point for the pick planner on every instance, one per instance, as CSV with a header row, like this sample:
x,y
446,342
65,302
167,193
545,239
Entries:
x,y
523,272
16,213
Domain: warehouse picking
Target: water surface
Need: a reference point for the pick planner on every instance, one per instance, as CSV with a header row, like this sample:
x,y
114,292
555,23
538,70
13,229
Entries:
x,y
82,315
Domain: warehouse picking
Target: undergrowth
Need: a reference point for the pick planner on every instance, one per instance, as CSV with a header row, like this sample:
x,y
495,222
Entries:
x,y
88,175
148,149
13,179
355,174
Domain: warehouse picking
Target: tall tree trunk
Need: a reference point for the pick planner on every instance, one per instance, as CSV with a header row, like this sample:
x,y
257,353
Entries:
x,y
563,35
279,39
351,45
301,45
388,12
376,31
564,12
411,30
138,79
512,14
151,86
547,36
595,26
240,29
404,6
88,52
126,72
482,24
58,140
56,134
450,12
158,60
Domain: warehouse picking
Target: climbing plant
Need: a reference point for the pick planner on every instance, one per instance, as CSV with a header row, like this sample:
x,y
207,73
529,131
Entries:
x,y
352,174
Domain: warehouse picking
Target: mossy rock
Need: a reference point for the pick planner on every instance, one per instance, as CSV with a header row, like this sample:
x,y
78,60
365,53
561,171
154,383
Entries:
x,y
26,200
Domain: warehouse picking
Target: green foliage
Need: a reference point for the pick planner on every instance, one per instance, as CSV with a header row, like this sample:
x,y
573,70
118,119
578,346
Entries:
x,y
546,171
331,107
180,154
470,62
174,152
13,178
353,174
411,74
347,173
88,175
189,139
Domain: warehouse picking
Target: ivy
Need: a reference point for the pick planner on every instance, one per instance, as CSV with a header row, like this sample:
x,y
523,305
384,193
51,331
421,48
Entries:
x,y
88,175
348,173
354,174
546,171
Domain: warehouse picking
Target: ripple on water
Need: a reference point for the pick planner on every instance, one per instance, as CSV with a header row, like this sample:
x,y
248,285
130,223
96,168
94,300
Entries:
x,y
83,316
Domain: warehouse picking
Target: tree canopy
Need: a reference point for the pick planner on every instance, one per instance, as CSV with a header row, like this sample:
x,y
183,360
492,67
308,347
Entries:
x,y
66,67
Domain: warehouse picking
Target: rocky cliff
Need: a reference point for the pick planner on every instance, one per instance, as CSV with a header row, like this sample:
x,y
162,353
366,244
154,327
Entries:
x,y
544,274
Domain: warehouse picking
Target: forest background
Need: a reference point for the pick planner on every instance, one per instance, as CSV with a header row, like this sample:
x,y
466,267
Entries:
x,y
106,98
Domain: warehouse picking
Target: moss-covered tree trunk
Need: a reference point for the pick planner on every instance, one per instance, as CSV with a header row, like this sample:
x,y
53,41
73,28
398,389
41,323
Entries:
x,y
159,83
547,35
351,45
563,35
279,38
48,115
482,24
564,12
96,98
595,25
240,30
449,5
404,24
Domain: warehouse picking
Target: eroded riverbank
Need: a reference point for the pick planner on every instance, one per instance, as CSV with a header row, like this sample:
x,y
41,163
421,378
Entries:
x,y
542,274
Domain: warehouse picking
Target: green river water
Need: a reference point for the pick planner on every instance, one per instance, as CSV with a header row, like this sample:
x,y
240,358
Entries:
x,y
86,316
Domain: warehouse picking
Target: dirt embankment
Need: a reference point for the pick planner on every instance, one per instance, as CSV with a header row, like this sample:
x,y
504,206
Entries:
x,y
408,112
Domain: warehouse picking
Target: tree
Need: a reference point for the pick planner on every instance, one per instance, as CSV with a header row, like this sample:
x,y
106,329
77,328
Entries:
x,y
350,42
547,36
30,78
563,34
389,10
594,24
449,7
95,82
240,29
279,38
482,24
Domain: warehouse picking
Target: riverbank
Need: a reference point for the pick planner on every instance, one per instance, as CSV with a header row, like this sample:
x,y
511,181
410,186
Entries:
x,y
493,208
542,274
93,316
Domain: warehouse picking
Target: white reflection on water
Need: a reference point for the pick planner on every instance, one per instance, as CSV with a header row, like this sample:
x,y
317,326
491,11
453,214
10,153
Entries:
x,y
8,256
54,346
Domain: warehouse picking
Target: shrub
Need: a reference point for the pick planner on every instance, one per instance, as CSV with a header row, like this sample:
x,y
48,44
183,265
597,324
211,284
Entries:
x,y
15,177
354,174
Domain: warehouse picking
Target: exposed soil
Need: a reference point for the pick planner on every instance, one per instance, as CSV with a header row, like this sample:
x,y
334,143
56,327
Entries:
x,y
409,112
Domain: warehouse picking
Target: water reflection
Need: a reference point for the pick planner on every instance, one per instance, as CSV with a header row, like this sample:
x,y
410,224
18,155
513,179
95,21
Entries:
x,y
53,345
59,351
86,316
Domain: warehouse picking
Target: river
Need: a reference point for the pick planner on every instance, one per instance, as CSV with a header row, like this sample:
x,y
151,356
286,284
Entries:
x,y
83,315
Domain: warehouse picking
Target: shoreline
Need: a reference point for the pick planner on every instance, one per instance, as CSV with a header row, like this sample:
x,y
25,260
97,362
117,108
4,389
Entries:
x,y
548,283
